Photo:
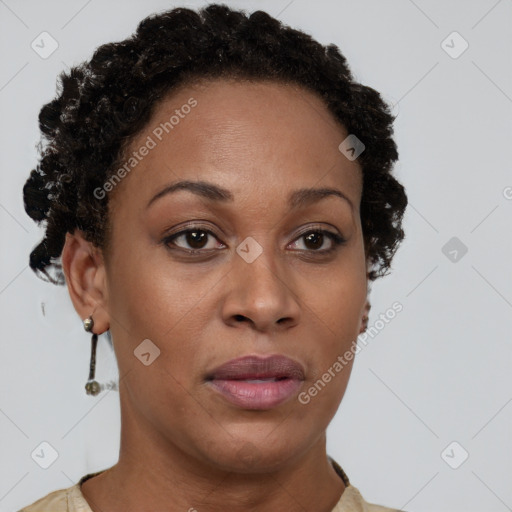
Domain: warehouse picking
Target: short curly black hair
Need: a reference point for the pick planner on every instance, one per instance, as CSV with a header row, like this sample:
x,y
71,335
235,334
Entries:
x,y
102,104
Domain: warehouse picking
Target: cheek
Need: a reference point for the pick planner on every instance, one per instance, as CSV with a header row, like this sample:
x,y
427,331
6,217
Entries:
x,y
164,306
154,314
337,300
320,398
152,299
336,308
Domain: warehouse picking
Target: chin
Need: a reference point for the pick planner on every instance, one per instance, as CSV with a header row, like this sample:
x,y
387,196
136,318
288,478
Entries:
x,y
263,451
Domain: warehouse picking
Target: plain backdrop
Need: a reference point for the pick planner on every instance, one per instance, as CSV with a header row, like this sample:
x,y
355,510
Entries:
x,y
426,422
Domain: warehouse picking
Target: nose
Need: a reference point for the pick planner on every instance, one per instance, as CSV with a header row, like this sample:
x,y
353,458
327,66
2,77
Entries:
x,y
261,294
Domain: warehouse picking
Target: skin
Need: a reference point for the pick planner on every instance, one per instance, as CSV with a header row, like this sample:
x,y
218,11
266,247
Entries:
x,y
183,446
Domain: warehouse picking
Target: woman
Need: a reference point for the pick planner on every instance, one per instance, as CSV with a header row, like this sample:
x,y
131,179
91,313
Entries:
x,y
217,195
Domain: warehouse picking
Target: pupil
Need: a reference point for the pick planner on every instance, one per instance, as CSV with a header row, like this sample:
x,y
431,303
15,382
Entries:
x,y
317,239
196,239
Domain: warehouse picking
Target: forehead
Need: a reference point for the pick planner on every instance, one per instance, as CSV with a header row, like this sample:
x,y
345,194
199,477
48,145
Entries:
x,y
263,135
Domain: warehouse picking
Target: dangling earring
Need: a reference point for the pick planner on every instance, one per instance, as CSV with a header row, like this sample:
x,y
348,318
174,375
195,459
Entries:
x,y
92,387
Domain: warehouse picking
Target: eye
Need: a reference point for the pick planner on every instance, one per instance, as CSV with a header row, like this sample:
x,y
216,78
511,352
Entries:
x,y
193,240
315,239
196,240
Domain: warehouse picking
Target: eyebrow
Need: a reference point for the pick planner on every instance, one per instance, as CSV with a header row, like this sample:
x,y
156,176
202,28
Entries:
x,y
297,199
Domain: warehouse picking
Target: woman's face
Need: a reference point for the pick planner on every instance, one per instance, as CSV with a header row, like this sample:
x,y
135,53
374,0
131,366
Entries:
x,y
253,276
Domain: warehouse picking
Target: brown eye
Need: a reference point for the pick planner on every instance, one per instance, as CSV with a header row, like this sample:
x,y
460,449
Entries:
x,y
192,240
196,239
315,240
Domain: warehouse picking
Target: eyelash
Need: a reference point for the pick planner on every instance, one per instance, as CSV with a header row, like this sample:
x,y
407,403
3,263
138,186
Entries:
x,y
336,240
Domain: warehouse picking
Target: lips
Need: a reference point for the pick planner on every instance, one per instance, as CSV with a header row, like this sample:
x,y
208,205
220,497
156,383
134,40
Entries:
x,y
255,382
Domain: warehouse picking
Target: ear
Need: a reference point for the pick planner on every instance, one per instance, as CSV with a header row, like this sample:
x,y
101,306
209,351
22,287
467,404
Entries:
x,y
364,318
367,306
84,268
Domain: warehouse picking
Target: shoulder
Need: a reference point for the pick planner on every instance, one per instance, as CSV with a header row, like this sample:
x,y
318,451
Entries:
x,y
62,500
70,499
56,501
352,501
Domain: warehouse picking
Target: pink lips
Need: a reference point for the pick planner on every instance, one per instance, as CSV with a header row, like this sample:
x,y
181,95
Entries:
x,y
255,382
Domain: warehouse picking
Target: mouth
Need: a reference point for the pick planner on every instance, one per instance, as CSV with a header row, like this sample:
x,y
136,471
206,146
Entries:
x,y
257,383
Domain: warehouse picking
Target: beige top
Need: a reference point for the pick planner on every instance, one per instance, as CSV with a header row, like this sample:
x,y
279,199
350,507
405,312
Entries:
x,y
72,499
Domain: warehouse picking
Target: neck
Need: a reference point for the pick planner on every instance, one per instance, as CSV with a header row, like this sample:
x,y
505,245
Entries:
x,y
153,474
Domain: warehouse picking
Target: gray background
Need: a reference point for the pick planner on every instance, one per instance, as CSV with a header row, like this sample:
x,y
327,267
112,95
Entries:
x,y
439,372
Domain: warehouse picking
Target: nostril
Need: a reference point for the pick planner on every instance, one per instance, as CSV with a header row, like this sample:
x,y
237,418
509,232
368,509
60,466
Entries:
x,y
239,318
